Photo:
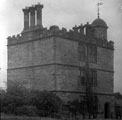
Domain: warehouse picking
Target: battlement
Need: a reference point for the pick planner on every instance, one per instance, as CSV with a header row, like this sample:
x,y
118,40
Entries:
x,y
33,30
77,33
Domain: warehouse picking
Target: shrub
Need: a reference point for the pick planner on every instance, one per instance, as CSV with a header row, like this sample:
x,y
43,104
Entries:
x,y
26,110
47,103
20,101
2,94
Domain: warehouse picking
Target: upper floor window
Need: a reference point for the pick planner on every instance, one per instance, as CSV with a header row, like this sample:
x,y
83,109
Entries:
x,y
88,52
93,77
92,54
82,52
88,76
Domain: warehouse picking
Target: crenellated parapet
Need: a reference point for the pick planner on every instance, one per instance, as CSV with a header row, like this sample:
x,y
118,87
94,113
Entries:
x,y
77,33
15,39
110,44
34,30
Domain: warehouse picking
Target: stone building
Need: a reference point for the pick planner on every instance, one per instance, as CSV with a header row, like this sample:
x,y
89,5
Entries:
x,y
118,105
57,59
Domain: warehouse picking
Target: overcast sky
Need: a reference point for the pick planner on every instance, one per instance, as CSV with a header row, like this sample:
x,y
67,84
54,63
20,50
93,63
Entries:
x,y
64,13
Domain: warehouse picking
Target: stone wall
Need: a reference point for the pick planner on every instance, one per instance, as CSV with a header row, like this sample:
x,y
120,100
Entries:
x,y
67,60
102,100
31,64
66,51
33,60
53,64
39,77
31,53
105,58
104,82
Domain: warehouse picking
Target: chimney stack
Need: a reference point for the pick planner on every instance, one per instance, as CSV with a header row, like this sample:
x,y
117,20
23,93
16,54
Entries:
x,y
26,18
30,14
39,14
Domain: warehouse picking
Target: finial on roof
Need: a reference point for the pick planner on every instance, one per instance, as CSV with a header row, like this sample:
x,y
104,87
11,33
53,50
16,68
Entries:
x,y
98,9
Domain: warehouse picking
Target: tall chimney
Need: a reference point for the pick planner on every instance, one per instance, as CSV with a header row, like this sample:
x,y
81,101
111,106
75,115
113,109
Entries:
x,y
32,16
26,18
39,14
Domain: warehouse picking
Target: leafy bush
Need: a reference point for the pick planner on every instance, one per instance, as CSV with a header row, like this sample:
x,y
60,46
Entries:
x,y
47,103
20,101
14,97
26,110
10,102
2,100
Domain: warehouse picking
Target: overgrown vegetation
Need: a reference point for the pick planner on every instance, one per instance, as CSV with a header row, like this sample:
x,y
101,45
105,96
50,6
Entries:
x,y
20,101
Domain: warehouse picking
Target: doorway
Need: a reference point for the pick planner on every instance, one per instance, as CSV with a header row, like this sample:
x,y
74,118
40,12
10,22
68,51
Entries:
x,y
106,110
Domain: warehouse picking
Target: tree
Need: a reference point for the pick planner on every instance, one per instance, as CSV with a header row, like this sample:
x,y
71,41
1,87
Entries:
x,y
21,101
13,97
47,103
77,107
2,94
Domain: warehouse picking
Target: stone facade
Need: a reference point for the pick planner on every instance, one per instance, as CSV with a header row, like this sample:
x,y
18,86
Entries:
x,y
118,105
54,59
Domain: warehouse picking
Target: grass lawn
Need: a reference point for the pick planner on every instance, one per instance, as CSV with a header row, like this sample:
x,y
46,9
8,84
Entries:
x,y
13,117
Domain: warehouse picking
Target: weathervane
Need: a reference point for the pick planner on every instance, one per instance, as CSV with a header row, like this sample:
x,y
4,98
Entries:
x,y
98,9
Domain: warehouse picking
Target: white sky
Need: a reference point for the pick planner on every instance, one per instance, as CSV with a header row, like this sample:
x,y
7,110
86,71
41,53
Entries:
x,y
64,13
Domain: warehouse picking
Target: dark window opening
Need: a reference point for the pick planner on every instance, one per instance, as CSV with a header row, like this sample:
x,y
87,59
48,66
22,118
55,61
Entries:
x,y
91,78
